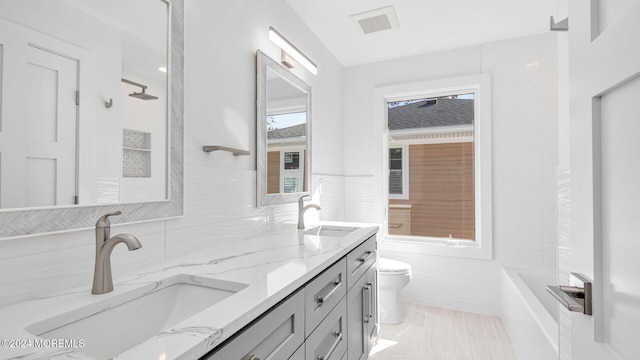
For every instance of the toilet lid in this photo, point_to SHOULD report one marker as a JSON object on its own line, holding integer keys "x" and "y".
{"x": 393, "y": 266}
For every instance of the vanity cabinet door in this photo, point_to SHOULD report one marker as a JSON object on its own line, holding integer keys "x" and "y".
{"x": 276, "y": 335}
{"x": 329, "y": 340}
{"x": 323, "y": 293}
{"x": 299, "y": 354}
{"x": 362, "y": 305}
{"x": 357, "y": 304}
{"x": 359, "y": 260}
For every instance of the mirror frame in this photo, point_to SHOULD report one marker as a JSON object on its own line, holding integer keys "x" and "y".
{"x": 20, "y": 222}
{"x": 265, "y": 63}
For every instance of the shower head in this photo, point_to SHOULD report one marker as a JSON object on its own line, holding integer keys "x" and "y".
{"x": 143, "y": 95}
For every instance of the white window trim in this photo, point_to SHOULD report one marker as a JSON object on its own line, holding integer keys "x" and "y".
{"x": 405, "y": 173}
{"x": 482, "y": 247}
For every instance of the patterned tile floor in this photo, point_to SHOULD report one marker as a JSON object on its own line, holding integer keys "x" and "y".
{"x": 431, "y": 333}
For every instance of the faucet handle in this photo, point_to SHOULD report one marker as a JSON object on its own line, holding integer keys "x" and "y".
{"x": 301, "y": 200}
{"x": 104, "y": 222}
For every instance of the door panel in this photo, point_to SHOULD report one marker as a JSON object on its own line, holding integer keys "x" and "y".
{"x": 13, "y": 145}
{"x": 41, "y": 181}
{"x": 604, "y": 63}
{"x": 38, "y": 122}
{"x": 620, "y": 171}
{"x": 51, "y": 118}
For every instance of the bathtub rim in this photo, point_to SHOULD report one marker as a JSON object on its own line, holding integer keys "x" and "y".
{"x": 536, "y": 309}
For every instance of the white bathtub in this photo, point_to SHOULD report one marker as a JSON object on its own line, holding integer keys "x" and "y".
{"x": 530, "y": 313}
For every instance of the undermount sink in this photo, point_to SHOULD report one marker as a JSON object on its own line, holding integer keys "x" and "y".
{"x": 330, "y": 230}
{"x": 119, "y": 323}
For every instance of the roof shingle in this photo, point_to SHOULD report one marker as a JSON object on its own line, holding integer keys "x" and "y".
{"x": 431, "y": 113}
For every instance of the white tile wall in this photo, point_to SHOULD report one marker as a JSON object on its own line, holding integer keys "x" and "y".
{"x": 329, "y": 192}
{"x": 33, "y": 267}
{"x": 219, "y": 209}
{"x": 431, "y": 281}
{"x": 361, "y": 198}
{"x": 476, "y": 285}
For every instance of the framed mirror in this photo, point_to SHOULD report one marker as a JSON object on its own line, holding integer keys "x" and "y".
{"x": 99, "y": 123}
{"x": 283, "y": 134}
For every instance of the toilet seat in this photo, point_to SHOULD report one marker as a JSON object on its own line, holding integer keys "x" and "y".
{"x": 388, "y": 267}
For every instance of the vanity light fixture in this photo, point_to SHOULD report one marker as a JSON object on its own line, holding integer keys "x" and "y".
{"x": 162, "y": 69}
{"x": 290, "y": 49}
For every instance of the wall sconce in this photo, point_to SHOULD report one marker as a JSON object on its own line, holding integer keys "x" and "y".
{"x": 289, "y": 49}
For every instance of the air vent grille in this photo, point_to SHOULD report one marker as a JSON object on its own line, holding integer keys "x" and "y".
{"x": 376, "y": 23}
{"x": 376, "y": 20}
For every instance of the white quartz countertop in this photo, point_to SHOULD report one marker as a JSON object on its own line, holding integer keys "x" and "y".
{"x": 273, "y": 266}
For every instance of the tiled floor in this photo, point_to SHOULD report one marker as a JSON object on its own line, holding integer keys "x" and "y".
{"x": 430, "y": 333}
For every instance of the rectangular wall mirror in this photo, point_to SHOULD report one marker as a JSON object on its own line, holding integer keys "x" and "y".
{"x": 283, "y": 134}
{"x": 90, "y": 112}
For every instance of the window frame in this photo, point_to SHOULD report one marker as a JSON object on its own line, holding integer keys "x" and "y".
{"x": 482, "y": 246}
{"x": 405, "y": 173}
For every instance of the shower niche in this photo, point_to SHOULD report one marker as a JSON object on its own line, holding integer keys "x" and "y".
{"x": 136, "y": 154}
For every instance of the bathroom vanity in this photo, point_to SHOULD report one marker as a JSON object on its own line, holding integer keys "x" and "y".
{"x": 331, "y": 315}
{"x": 286, "y": 294}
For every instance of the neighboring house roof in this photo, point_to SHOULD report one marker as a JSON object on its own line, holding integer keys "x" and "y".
{"x": 431, "y": 113}
{"x": 288, "y": 132}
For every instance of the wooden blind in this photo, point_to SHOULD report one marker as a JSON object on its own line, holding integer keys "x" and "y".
{"x": 273, "y": 172}
{"x": 441, "y": 190}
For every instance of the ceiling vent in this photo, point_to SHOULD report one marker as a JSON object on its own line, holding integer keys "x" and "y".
{"x": 376, "y": 20}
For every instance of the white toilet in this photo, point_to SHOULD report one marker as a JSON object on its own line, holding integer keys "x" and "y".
{"x": 393, "y": 276}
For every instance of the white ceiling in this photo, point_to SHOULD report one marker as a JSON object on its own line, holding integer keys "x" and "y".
{"x": 425, "y": 25}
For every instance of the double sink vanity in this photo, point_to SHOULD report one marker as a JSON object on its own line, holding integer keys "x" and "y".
{"x": 287, "y": 294}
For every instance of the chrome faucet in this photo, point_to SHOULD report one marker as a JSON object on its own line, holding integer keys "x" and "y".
{"x": 302, "y": 209}
{"x": 102, "y": 280}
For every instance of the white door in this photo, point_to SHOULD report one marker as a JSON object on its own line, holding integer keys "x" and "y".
{"x": 604, "y": 62}
{"x": 38, "y": 123}
{"x": 51, "y": 128}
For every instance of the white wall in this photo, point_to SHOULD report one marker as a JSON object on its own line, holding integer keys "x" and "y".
{"x": 221, "y": 40}
{"x": 524, "y": 155}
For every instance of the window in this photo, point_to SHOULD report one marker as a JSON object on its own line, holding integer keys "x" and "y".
{"x": 438, "y": 135}
{"x": 439, "y": 167}
{"x": 398, "y": 173}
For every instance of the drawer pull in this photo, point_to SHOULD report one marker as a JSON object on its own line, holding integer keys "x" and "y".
{"x": 253, "y": 357}
{"x": 323, "y": 299}
{"x": 365, "y": 313}
{"x": 370, "y": 311}
{"x": 366, "y": 257}
{"x": 366, "y": 317}
{"x": 332, "y": 348}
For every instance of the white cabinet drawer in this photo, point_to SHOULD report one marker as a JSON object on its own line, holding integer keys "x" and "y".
{"x": 329, "y": 340}
{"x": 277, "y": 335}
{"x": 359, "y": 260}
{"x": 323, "y": 293}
